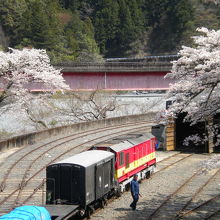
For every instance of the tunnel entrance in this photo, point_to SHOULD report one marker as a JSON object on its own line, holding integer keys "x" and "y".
{"x": 184, "y": 129}
{"x": 216, "y": 121}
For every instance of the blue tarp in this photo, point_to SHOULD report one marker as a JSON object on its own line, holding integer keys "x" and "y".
{"x": 27, "y": 213}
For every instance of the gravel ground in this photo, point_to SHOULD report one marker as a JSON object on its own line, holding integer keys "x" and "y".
{"x": 16, "y": 176}
{"x": 153, "y": 191}
{"x": 5, "y": 154}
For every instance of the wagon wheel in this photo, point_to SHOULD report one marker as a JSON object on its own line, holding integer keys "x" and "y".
{"x": 102, "y": 203}
{"x": 105, "y": 201}
{"x": 118, "y": 193}
{"x": 88, "y": 213}
{"x": 148, "y": 175}
{"x": 127, "y": 187}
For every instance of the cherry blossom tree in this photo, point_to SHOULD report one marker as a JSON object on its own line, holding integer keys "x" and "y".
{"x": 20, "y": 70}
{"x": 196, "y": 73}
{"x": 88, "y": 106}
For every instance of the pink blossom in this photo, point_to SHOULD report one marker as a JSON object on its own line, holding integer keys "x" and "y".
{"x": 20, "y": 69}
{"x": 196, "y": 90}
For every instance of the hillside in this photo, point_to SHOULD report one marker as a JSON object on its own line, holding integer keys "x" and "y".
{"x": 87, "y": 30}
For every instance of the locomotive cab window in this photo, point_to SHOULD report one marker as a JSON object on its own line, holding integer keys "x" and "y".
{"x": 121, "y": 158}
{"x": 127, "y": 160}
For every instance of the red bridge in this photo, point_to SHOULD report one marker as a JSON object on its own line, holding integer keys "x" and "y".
{"x": 117, "y": 75}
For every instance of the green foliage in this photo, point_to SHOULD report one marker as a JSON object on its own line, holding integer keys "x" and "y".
{"x": 207, "y": 14}
{"x": 11, "y": 17}
{"x": 106, "y": 21}
{"x": 171, "y": 23}
{"x": 117, "y": 23}
{"x": 80, "y": 37}
{"x": 70, "y": 4}
{"x": 81, "y": 30}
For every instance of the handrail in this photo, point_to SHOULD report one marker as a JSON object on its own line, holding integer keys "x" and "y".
{"x": 107, "y": 64}
{"x": 116, "y": 66}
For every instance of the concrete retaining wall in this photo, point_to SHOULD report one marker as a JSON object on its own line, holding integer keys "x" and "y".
{"x": 34, "y": 137}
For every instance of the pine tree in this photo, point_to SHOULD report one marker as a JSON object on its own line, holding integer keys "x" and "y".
{"x": 170, "y": 20}
{"x": 45, "y": 29}
{"x": 80, "y": 37}
{"x": 11, "y": 18}
{"x": 70, "y": 4}
{"x": 106, "y": 21}
{"x": 126, "y": 32}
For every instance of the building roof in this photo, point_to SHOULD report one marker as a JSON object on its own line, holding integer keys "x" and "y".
{"x": 87, "y": 158}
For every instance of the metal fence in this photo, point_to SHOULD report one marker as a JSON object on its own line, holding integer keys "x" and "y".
{"x": 117, "y": 67}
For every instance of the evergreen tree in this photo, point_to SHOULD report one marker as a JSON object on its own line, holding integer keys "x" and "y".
{"x": 70, "y": 4}
{"x": 11, "y": 18}
{"x": 80, "y": 38}
{"x": 136, "y": 15}
{"x": 44, "y": 24}
{"x": 70, "y": 28}
{"x": 117, "y": 25}
{"x": 106, "y": 21}
{"x": 126, "y": 27}
{"x": 171, "y": 20}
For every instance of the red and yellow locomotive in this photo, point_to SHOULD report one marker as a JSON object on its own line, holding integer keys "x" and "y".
{"x": 132, "y": 156}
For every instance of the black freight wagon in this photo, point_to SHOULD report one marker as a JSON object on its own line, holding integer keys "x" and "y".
{"x": 81, "y": 179}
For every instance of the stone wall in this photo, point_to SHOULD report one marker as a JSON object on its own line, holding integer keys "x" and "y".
{"x": 34, "y": 137}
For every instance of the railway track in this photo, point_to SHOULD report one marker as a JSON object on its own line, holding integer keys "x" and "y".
{"x": 170, "y": 161}
{"x": 170, "y": 189}
{"x": 205, "y": 210}
{"x": 22, "y": 181}
{"x": 187, "y": 192}
{"x": 163, "y": 165}
{"x": 25, "y": 152}
{"x": 214, "y": 215}
{"x": 183, "y": 211}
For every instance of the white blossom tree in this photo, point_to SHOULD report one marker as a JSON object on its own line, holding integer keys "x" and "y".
{"x": 21, "y": 69}
{"x": 196, "y": 90}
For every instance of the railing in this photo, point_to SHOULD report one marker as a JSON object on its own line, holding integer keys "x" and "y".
{"x": 152, "y": 58}
{"x": 116, "y": 66}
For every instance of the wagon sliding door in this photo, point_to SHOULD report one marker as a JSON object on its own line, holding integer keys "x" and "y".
{"x": 99, "y": 181}
{"x": 65, "y": 182}
{"x": 103, "y": 178}
{"x": 107, "y": 169}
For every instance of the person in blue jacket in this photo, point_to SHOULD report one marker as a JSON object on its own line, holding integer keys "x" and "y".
{"x": 134, "y": 191}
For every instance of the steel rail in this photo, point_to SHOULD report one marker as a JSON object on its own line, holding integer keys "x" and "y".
{"x": 172, "y": 194}
{"x": 23, "y": 182}
{"x": 114, "y": 198}
{"x": 199, "y": 206}
{"x": 69, "y": 150}
{"x": 3, "y": 183}
{"x": 181, "y": 212}
{"x": 38, "y": 187}
{"x": 212, "y": 215}
{"x": 173, "y": 162}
